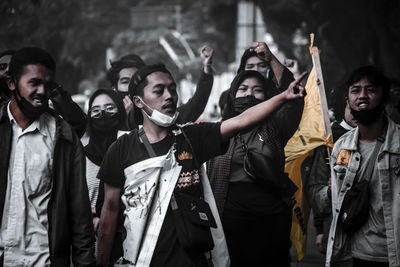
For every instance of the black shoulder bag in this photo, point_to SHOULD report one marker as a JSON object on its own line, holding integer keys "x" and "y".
{"x": 355, "y": 206}
{"x": 193, "y": 216}
{"x": 258, "y": 167}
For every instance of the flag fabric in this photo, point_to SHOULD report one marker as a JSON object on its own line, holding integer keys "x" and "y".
{"x": 309, "y": 135}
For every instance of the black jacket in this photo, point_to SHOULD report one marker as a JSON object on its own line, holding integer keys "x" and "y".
{"x": 69, "y": 214}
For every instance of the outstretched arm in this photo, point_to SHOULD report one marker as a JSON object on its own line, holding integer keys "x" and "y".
{"x": 191, "y": 110}
{"x": 108, "y": 222}
{"x": 261, "y": 111}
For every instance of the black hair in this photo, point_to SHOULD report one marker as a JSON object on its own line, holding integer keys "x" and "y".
{"x": 127, "y": 61}
{"x": 30, "y": 55}
{"x": 374, "y": 75}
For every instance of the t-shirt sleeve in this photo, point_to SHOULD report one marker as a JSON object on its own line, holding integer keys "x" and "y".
{"x": 206, "y": 140}
{"x": 111, "y": 170}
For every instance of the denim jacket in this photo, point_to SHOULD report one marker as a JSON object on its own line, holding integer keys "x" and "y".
{"x": 343, "y": 173}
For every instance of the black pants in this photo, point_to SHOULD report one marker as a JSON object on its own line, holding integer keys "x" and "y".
{"x": 363, "y": 263}
{"x": 255, "y": 237}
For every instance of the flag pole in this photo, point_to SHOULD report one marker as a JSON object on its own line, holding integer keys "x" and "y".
{"x": 314, "y": 51}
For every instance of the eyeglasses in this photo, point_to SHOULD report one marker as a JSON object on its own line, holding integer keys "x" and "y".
{"x": 109, "y": 110}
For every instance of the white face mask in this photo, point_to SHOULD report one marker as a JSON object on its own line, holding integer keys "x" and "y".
{"x": 159, "y": 118}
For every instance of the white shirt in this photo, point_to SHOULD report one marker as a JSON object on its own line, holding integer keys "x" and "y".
{"x": 24, "y": 227}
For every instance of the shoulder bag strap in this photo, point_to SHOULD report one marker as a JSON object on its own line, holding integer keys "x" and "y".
{"x": 374, "y": 155}
{"x": 147, "y": 145}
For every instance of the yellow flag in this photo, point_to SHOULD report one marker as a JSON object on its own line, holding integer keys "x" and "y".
{"x": 309, "y": 135}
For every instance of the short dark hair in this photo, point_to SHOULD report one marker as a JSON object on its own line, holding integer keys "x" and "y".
{"x": 30, "y": 55}
{"x": 374, "y": 76}
{"x": 127, "y": 61}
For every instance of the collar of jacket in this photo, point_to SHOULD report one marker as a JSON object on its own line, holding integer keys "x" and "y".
{"x": 391, "y": 144}
{"x": 63, "y": 131}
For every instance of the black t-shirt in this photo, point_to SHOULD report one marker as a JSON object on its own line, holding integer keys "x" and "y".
{"x": 205, "y": 139}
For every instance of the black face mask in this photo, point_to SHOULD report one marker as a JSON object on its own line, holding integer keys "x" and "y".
{"x": 105, "y": 123}
{"x": 29, "y": 110}
{"x": 367, "y": 117}
{"x": 240, "y": 104}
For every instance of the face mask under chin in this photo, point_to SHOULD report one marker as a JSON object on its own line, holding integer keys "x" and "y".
{"x": 159, "y": 118}
{"x": 29, "y": 110}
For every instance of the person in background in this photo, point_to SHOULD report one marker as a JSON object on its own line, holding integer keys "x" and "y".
{"x": 256, "y": 211}
{"x": 259, "y": 57}
{"x": 106, "y": 114}
{"x": 119, "y": 76}
{"x": 5, "y": 58}
{"x": 44, "y": 206}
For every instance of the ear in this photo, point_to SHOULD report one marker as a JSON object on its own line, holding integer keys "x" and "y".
{"x": 11, "y": 84}
{"x": 137, "y": 102}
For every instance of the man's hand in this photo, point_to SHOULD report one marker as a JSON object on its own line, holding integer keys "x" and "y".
{"x": 296, "y": 89}
{"x": 262, "y": 51}
{"x": 128, "y": 104}
{"x": 206, "y": 56}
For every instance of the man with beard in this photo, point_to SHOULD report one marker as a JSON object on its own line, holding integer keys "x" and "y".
{"x": 60, "y": 98}
{"x": 44, "y": 206}
{"x": 377, "y": 241}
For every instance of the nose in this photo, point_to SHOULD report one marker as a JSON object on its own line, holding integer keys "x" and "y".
{"x": 363, "y": 93}
{"x": 249, "y": 92}
{"x": 41, "y": 89}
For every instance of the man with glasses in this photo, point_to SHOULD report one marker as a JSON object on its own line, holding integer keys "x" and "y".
{"x": 44, "y": 206}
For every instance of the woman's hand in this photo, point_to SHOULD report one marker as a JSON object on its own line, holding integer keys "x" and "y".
{"x": 295, "y": 89}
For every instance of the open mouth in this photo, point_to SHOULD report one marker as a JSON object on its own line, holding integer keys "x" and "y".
{"x": 39, "y": 100}
{"x": 169, "y": 107}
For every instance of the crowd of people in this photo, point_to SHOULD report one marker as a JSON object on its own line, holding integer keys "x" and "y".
{"x": 154, "y": 188}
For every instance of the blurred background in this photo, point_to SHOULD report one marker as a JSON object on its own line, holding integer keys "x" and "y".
{"x": 84, "y": 36}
